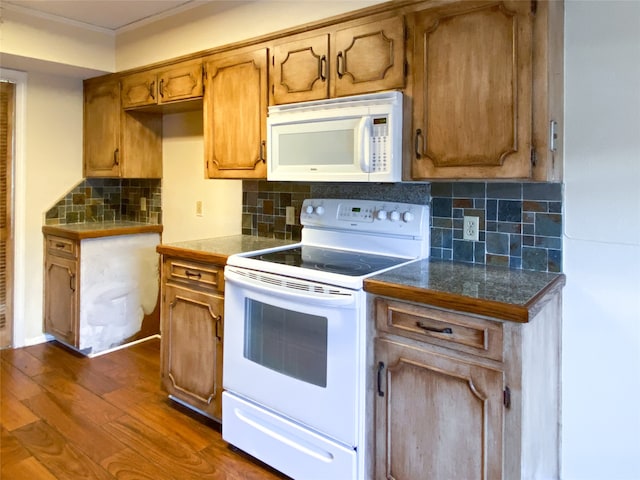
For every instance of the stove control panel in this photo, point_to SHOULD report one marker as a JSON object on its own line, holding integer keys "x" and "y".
{"x": 365, "y": 215}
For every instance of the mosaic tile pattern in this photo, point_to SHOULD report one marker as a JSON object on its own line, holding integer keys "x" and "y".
{"x": 108, "y": 200}
{"x": 520, "y": 224}
{"x": 264, "y": 203}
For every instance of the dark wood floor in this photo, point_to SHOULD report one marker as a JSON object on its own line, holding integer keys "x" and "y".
{"x": 65, "y": 416}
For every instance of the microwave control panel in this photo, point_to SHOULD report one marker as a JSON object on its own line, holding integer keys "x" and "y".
{"x": 379, "y": 147}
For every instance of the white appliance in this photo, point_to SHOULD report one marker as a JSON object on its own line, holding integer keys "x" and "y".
{"x": 295, "y": 344}
{"x": 347, "y": 139}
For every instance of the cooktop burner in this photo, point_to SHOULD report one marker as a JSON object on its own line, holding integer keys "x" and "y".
{"x": 330, "y": 260}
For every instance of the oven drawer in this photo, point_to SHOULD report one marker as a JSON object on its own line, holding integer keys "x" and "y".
{"x": 209, "y": 277}
{"x": 287, "y": 446}
{"x": 62, "y": 246}
{"x": 440, "y": 327}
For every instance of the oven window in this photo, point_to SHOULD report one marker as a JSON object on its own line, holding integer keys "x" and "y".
{"x": 289, "y": 342}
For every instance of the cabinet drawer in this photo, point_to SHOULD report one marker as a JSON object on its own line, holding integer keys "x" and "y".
{"x": 200, "y": 275}
{"x": 62, "y": 246}
{"x": 440, "y": 327}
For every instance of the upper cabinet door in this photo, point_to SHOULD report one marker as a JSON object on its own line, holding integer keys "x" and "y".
{"x": 235, "y": 113}
{"x": 139, "y": 89}
{"x": 369, "y": 57}
{"x": 102, "y": 129}
{"x": 182, "y": 81}
{"x": 300, "y": 70}
{"x": 472, "y": 91}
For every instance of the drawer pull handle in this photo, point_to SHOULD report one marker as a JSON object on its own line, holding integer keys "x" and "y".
{"x": 433, "y": 329}
{"x": 59, "y": 245}
{"x": 380, "y": 369}
{"x": 192, "y": 275}
{"x": 218, "y": 325}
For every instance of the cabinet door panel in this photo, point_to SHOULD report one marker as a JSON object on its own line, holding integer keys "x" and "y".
{"x": 370, "y": 57}
{"x": 139, "y": 89}
{"x": 181, "y": 82}
{"x": 235, "y": 112}
{"x": 473, "y": 86}
{"x": 61, "y": 299}
{"x": 102, "y": 130}
{"x": 192, "y": 348}
{"x": 300, "y": 70}
{"x": 439, "y": 417}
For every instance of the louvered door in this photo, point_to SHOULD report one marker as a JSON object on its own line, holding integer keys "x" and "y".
{"x": 7, "y": 102}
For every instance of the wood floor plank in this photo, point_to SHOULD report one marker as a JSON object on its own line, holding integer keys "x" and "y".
{"x": 21, "y": 359}
{"x": 82, "y": 400}
{"x": 167, "y": 420}
{"x": 11, "y": 451}
{"x": 130, "y": 465}
{"x": 168, "y": 452}
{"x": 28, "y": 469}
{"x": 13, "y": 414}
{"x": 13, "y": 380}
{"x": 74, "y": 427}
{"x": 62, "y": 459}
{"x": 236, "y": 465}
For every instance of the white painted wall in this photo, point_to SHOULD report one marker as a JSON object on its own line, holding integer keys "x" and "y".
{"x": 601, "y": 347}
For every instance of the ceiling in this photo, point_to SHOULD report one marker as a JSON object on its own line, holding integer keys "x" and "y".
{"x": 104, "y": 14}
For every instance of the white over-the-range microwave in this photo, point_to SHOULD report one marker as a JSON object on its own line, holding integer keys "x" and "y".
{"x": 346, "y": 139}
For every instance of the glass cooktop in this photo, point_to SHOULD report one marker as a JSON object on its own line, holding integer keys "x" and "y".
{"x": 330, "y": 260}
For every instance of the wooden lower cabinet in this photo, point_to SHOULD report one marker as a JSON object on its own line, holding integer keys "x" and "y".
{"x": 464, "y": 396}
{"x": 61, "y": 298}
{"x": 101, "y": 293}
{"x": 192, "y": 326}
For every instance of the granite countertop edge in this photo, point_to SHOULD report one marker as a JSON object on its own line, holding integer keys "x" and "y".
{"x": 218, "y": 249}
{"x": 81, "y": 231}
{"x": 498, "y": 292}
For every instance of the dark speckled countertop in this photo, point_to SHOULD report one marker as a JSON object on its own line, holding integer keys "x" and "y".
{"x": 498, "y": 292}
{"x": 217, "y": 249}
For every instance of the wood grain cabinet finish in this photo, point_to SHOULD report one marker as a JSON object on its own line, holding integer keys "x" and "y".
{"x": 357, "y": 59}
{"x": 117, "y": 143}
{"x": 235, "y": 113}
{"x": 472, "y": 90}
{"x": 465, "y": 396}
{"x": 192, "y": 334}
{"x": 179, "y": 82}
{"x": 61, "y": 293}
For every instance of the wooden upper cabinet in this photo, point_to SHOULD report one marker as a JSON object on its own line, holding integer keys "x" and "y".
{"x": 356, "y": 59}
{"x": 102, "y": 129}
{"x": 370, "y": 57}
{"x": 182, "y": 81}
{"x": 300, "y": 69}
{"x": 472, "y": 91}
{"x": 118, "y": 143}
{"x": 235, "y": 112}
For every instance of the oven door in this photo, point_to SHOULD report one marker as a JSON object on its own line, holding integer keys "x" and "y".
{"x": 294, "y": 347}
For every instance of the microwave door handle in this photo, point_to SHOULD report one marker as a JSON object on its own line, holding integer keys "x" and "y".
{"x": 364, "y": 134}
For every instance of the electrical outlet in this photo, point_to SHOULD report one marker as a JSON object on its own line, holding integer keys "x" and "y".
{"x": 143, "y": 204}
{"x": 199, "y": 208}
{"x": 290, "y": 215}
{"x": 470, "y": 228}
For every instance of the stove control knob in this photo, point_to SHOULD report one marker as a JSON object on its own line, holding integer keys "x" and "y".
{"x": 408, "y": 217}
{"x": 395, "y": 216}
{"x": 381, "y": 214}
{"x": 319, "y": 210}
{"x": 309, "y": 209}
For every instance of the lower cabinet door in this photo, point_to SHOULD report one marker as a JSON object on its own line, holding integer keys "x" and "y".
{"x": 437, "y": 417}
{"x": 61, "y": 299}
{"x": 192, "y": 348}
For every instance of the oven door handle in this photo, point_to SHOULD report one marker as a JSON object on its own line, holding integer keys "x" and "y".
{"x": 291, "y": 288}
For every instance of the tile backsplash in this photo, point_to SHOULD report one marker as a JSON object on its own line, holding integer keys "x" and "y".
{"x": 108, "y": 200}
{"x": 520, "y": 224}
